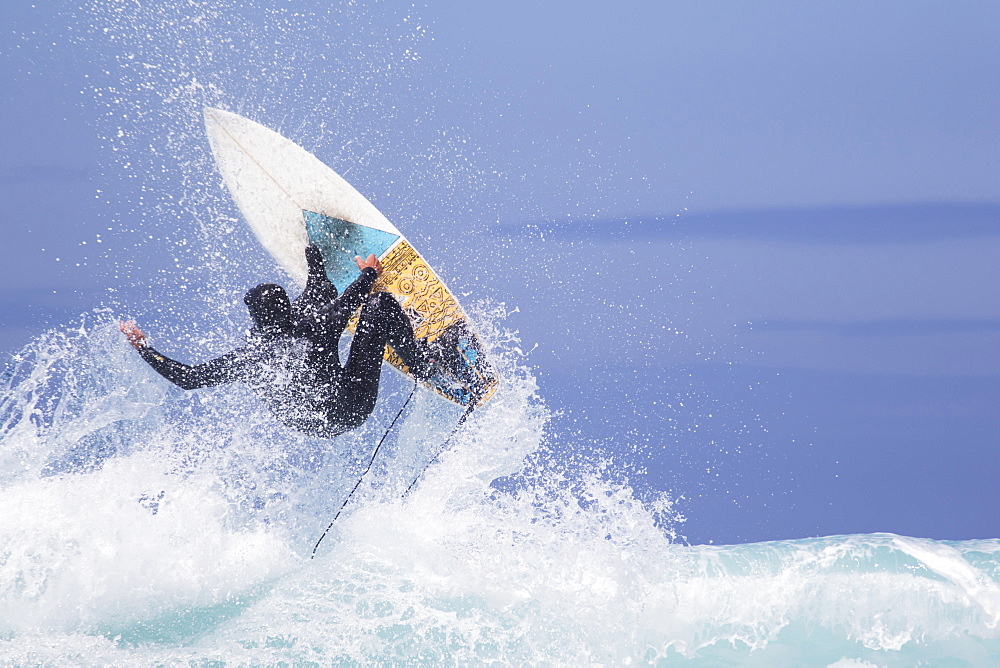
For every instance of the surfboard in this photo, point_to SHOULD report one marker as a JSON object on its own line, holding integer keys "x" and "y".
{"x": 289, "y": 198}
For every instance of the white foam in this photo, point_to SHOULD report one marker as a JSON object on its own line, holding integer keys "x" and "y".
{"x": 125, "y": 543}
{"x": 187, "y": 540}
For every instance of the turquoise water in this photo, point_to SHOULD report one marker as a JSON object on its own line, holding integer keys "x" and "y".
{"x": 143, "y": 524}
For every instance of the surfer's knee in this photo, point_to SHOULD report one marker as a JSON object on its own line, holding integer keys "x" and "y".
{"x": 380, "y": 302}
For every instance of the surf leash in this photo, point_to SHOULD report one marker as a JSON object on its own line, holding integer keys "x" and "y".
{"x": 444, "y": 446}
{"x": 370, "y": 463}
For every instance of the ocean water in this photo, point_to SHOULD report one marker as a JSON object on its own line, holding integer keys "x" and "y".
{"x": 143, "y": 524}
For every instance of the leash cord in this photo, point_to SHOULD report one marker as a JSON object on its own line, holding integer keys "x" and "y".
{"x": 362, "y": 477}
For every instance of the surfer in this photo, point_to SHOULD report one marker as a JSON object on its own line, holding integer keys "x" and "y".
{"x": 291, "y": 359}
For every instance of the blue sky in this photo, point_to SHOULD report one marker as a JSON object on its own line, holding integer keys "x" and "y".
{"x": 782, "y": 215}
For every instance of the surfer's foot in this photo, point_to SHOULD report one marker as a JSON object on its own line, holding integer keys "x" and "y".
{"x": 314, "y": 259}
{"x": 426, "y": 366}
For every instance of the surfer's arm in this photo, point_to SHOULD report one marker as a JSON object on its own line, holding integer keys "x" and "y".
{"x": 336, "y": 315}
{"x": 221, "y": 370}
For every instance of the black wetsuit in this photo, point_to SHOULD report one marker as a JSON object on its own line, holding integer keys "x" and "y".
{"x": 291, "y": 359}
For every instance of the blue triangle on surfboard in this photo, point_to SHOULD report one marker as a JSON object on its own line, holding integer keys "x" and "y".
{"x": 340, "y": 240}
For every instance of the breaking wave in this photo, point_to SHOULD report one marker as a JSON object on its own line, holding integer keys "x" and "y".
{"x": 146, "y": 524}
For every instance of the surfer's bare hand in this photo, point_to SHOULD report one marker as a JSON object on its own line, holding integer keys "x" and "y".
{"x": 132, "y": 332}
{"x": 370, "y": 261}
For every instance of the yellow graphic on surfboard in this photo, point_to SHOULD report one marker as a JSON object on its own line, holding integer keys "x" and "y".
{"x": 408, "y": 276}
{"x": 289, "y": 198}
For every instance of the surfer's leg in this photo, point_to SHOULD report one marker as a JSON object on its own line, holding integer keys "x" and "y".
{"x": 382, "y": 322}
{"x": 319, "y": 291}
{"x": 364, "y": 362}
